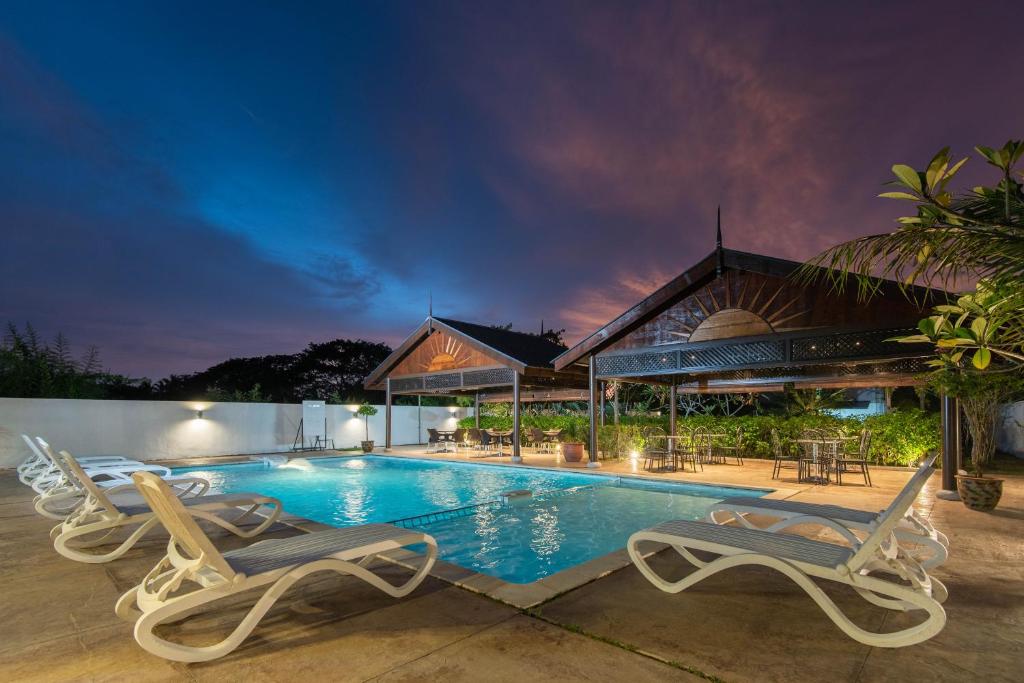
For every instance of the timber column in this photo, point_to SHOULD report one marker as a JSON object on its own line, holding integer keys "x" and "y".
{"x": 516, "y": 455}
{"x": 950, "y": 412}
{"x": 593, "y": 413}
{"x": 387, "y": 416}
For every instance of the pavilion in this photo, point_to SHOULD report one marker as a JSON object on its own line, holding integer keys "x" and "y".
{"x": 452, "y": 357}
{"x": 738, "y": 322}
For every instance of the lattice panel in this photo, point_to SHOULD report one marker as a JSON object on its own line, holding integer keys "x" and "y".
{"x": 407, "y": 384}
{"x": 848, "y": 345}
{"x": 451, "y": 380}
{"x": 750, "y": 353}
{"x": 491, "y": 377}
{"x": 637, "y": 363}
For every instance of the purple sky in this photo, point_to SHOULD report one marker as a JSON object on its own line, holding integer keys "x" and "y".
{"x": 186, "y": 183}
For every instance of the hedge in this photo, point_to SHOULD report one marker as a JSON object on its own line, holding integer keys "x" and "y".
{"x": 898, "y": 438}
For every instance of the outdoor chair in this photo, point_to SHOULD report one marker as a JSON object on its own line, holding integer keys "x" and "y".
{"x": 61, "y": 501}
{"x": 688, "y": 448}
{"x": 874, "y": 567}
{"x": 859, "y": 461}
{"x": 473, "y": 437}
{"x": 537, "y": 439}
{"x": 781, "y": 456}
{"x": 915, "y": 534}
{"x": 102, "y": 515}
{"x": 194, "y": 573}
{"x": 459, "y": 437}
{"x": 433, "y": 438}
{"x": 102, "y": 469}
{"x": 655, "y": 448}
{"x": 39, "y": 465}
{"x": 735, "y": 450}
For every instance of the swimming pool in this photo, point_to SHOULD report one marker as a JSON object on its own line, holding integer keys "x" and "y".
{"x": 569, "y": 519}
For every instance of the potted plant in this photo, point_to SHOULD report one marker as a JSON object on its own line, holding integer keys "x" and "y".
{"x": 367, "y": 411}
{"x": 572, "y": 447}
{"x": 980, "y": 394}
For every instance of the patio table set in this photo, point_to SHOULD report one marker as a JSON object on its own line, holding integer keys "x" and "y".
{"x": 670, "y": 452}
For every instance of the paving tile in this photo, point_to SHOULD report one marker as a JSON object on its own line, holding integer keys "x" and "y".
{"x": 523, "y": 648}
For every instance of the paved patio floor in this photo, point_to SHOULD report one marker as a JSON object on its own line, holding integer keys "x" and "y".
{"x": 742, "y": 625}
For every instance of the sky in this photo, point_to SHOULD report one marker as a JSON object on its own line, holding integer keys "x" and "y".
{"x": 181, "y": 183}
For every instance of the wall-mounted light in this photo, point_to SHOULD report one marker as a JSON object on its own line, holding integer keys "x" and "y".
{"x": 199, "y": 415}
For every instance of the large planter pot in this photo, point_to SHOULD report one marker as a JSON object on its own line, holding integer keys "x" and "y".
{"x": 367, "y": 446}
{"x": 572, "y": 452}
{"x": 979, "y": 493}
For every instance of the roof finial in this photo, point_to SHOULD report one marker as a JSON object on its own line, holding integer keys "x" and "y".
{"x": 718, "y": 245}
{"x": 430, "y": 310}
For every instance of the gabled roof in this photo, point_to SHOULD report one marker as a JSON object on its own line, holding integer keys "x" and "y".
{"x": 529, "y": 349}
{"x": 685, "y": 284}
{"x": 517, "y": 350}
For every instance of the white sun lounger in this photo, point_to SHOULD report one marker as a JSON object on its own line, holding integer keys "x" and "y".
{"x": 101, "y": 516}
{"x": 37, "y": 464}
{"x": 112, "y": 470}
{"x": 58, "y": 502}
{"x": 193, "y": 562}
{"x": 915, "y": 534}
{"x": 802, "y": 560}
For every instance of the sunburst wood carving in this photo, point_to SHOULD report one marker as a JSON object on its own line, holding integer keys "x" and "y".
{"x": 439, "y": 352}
{"x": 445, "y": 353}
{"x": 735, "y": 305}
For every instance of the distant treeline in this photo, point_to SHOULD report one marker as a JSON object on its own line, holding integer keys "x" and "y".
{"x": 333, "y": 371}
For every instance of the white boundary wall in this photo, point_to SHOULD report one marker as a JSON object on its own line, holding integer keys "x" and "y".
{"x": 1010, "y": 429}
{"x": 155, "y": 430}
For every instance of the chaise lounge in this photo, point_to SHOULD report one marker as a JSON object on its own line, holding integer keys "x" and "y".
{"x": 194, "y": 573}
{"x": 803, "y": 560}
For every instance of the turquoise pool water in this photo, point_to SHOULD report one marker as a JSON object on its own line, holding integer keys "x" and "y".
{"x": 570, "y": 519}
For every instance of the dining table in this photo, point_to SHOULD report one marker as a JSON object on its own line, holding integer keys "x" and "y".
{"x": 447, "y": 438}
{"x": 551, "y": 437}
{"x": 500, "y": 435}
{"x": 822, "y": 465}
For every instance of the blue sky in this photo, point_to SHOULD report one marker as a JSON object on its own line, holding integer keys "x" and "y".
{"x": 187, "y": 182}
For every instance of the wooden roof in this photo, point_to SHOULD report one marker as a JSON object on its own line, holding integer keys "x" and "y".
{"x": 741, "y": 294}
{"x": 442, "y": 345}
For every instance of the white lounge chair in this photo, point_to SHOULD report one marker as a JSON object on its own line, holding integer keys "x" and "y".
{"x": 101, "y": 516}
{"x": 802, "y": 559}
{"x": 108, "y": 470}
{"x": 915, "y": 534}
{"x": 58, "y": 502}
{"x": 192, "y": 561}
{"x": 37, "y": 464}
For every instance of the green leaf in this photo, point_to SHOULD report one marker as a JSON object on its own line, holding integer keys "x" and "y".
{"x": 927, "y": 327}
{"x": 907, "y": 176}
{"x": 911, "y": 339}
{"x": 945, "y": 308}
{"x": 982, "y": 357}
{"x": 955, "y": 357}
{"x": 898, "y": 195}
{"x": 978, "y": 326}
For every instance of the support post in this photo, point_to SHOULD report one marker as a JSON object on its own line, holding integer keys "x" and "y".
{"x": 387, "y": 416}
{"x": 672, "y": 416}
{"x": 476, "y": 409}
{"x": 593, "y": 413}
{"x": 516, "y": 455}
{"x": 602, "y": 404}
{"x": 615, "y": 402}
{"x": 950, "y": 413}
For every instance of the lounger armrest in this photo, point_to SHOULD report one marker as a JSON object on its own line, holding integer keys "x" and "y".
{"x": 817, "y": 521}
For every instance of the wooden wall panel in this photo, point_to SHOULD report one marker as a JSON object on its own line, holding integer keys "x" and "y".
{"x": 740, "y": 304}
{"x": 442, "y": 351}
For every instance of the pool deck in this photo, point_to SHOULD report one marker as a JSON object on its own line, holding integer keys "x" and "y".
{"x": 746, "y": 624}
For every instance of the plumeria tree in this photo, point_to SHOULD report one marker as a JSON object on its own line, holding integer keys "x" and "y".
{"x": 975, "y": 234}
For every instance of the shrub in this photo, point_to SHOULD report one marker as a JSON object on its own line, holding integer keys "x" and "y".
{"x": 898, "y": 438}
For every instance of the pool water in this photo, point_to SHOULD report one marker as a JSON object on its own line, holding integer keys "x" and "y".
{"x": 571, "y": 518}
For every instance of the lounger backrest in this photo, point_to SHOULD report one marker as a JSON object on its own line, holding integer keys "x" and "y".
{"x": 36, "y": 453}
{"x": 185, "y": 532}
{"x": 893, "y": 514}
{"x": 75, "y": 473}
